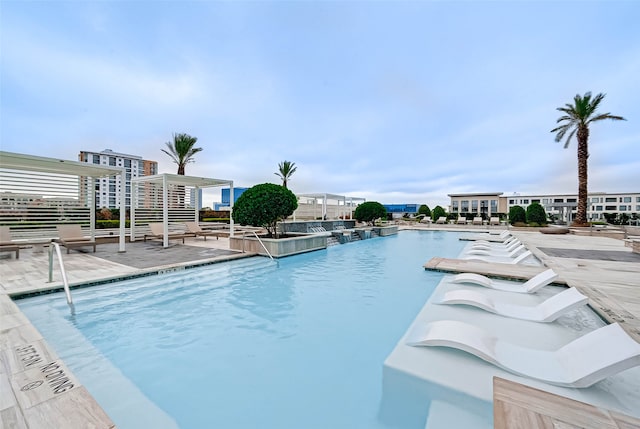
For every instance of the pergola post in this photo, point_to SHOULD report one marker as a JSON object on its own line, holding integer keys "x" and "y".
{"x": 165, "y": 212}
{"x": 231, "y": 198}
{"x": 123, "y": 211}
{"x": 91, "y": 201}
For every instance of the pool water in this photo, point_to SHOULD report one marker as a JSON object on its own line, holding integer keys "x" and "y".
{"x": 251, "y": 343}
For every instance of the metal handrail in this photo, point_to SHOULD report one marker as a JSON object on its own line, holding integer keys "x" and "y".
{"x": 259, "y": 241}
{"x": 65, "y": 281}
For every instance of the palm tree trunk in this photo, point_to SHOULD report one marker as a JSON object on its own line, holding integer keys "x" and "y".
{"x": 583, "y": 155}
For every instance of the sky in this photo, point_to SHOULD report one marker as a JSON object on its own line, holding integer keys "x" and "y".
{"x": 392, "y": 101}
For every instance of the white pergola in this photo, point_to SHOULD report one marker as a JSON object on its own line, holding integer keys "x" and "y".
{"x": 39, "y": 164}
{"x": 325, "y": 197}
{"x": 164, "y": 181}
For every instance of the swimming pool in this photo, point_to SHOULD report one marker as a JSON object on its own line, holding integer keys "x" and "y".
{"x": 249, "y": 343}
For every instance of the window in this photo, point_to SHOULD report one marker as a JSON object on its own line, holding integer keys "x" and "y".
{"x": 610, "y": 200}
{"x": 525, "y": 201}
{"x": 545, "y": 201}
{"x": 474, "y": 205}
{"x": 127, "y": 163}
{"x": 638, "y": 208}
{"x": 494, "y": 206}
{"x": 454, "y": 206}
{"x": 464, "y": 206}
{"x": 623, "y": 208}
{"x": 96, "y": 159}
{"x": 558, "y": 200}
{"x": 598, "y": 208}
{"x": 637, "y": 199}
{"x": 535, "y": 201}
{"x": 512, "y": 202}
{"x": 571, "y": 200}
{"x": 112, "y": 160}
{"x": 626, "y": 200}
{"x": 610, "y": 208}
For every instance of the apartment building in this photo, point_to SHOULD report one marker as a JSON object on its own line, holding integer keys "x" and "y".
{"x": 561, "y": 206}
{"x": 108, "y": 189}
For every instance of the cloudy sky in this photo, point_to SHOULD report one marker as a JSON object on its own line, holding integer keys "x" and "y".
{"x": 399, "y": 102}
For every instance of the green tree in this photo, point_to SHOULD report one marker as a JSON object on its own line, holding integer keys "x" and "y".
{"x": 537, "y": 214}
{"x": 437, "y": 213}
{"x": 285, "y": 171}
{"x": 181, "y": 150}
{"x": 576, "y": 120}
{"x": 517, "y": 214}
{"x": 264, "y": 205}
{"x": 369, "y": 211}
{"x": 424, "y": 210}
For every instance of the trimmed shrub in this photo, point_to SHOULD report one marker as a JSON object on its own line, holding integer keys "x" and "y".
{"x": 370, "y": 211}
{"x": 264, "y": 205}
{"x": 517, "y": 214}
{"x": 424, "y": 210}
{"x": 536, "y": 214}
{"x": 437, "y": 213}
{"x": 113, "y": 223}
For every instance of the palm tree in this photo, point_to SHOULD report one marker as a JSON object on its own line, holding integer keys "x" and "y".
{"x": 285, "y": 171}
{"x": 576, "y": 119}
{"x": 181, "y": 150}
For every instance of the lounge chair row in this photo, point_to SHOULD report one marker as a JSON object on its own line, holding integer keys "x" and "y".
{"x": 464, "y": 221}
{"x": 580, "y": 363}
{"x": 71, "y": 236}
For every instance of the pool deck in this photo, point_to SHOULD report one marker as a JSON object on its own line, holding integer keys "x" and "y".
{"x": 38, "y": 391}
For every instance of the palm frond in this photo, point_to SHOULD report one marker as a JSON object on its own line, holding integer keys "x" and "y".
{"x": 566, "y": 143}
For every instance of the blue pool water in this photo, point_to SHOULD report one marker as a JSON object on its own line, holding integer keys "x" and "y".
{"x": 250, "y": 343}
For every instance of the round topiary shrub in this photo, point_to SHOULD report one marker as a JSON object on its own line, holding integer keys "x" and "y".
{"x": 517, "y": 214}
{"x": 370, "y": 211}
{"x": 536, "y": 214}
{"x": 424, "y": 210}
{"x": 264, "y": 205}
{"x": 437, "y": 213}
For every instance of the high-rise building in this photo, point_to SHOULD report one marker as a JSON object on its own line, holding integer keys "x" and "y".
{"x": 108, "y": 189}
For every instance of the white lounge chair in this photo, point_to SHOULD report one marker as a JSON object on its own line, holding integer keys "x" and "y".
{"x": 494, "y": 221}
{"x": 511, "y": 253}
{"x": 531, "y": 286}
{"x": 6, "y": 242}
{"x": 513, "y": 241}
{"x": 72, "y": 237}
{"x": 547, "y": 311}
{"x": 496, "y": 247}
{"x": 195, "y": 229}
{"x": 581, "y": 363}
{"x": 516, "y": 260}
{"x": 442, "y": 219}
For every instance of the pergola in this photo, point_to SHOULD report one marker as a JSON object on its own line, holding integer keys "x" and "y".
{"x": 325, "y": 197}
{"x": 42, "y": 178}
{"x": 164, "y": 182}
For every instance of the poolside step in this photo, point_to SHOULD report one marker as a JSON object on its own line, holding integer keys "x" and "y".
{"x": 332, "y": 241}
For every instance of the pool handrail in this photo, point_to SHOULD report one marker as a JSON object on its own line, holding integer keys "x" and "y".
{"x": 53, "y": 245}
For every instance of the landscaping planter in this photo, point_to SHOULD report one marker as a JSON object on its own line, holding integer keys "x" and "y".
{"x": 280, "y": 247}
{"x": 383, "y": 231}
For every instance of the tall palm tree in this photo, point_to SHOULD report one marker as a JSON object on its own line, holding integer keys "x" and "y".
{"x": 181, "y": 150}
{"x": 285, "y": 171}
{"x": 576, "y": 119}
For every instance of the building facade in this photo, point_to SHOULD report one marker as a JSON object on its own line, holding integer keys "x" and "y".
{"x": 560, "y": 206}
{"x": 108, "y": 189}
{"x": 487, "y": 204}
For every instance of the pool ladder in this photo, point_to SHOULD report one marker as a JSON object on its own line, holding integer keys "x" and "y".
{"x": 260, "y": 241}
{"x": 65, "y": 281}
